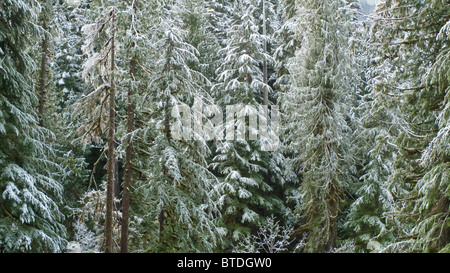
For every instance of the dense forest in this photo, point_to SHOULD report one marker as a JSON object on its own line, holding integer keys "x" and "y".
{"x": 101, "y": 102}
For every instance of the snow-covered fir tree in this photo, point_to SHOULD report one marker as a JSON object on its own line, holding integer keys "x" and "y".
{"x": 135, "y": 23}
{"x": 317, "y": 107}
{"x": 410, "y": 89}
{"x": 58, "y": 84}
{"x": 365, "y": 220}
{"x": 98, "y": 107}
{"x": 250, "y": 174}
{"x": 30, "y": 199}
{"x": 66, "y": 66}
{"x": 184, "y": 194}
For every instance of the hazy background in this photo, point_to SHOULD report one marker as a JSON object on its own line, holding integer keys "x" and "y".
{"x": 368, "y": 6}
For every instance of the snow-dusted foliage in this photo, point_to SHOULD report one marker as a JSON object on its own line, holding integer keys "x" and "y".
{"x": 250, "y": 175}
{"x": 103, "y": 102}
{"x": 89, "y": 224}
{"x": 69, "y": 57}
{"x": 368, "y": 217}
{"x": 271, "y": 237}
{"x": 317, "y": 107}
{"x": 90, "y": 219}
{"x": 184, "y": 194}
{"x": 288, "y": 43}
{"x": 403, "y": 200}
{"x": 30, "y": 197}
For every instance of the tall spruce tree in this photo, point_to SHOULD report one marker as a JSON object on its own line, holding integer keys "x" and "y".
{"x": 184, "y": 193}
{"x": 317, "y": 107}
{"x": 242, "y": 163}
{"x": 99, "y": 106}
{"x": 58, "y": 84}
{"x": 134, "y": 26}
{"x": 69, "y": 86}
{"x": 369, "y": 220}
{"x": 30, "y": 217}
{"x": 411, "y": 88}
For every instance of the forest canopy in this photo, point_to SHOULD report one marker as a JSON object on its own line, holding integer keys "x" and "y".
{"x": 220, "y": 126}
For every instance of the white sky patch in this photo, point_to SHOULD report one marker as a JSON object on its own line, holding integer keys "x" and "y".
{"x": 372, "y": 2}
{"x": 73, "y": 2}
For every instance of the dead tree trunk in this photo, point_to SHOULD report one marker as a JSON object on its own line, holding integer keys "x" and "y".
{"x": 111, "y": 150}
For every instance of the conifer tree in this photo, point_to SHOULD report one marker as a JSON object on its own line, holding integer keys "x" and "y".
{"x": 59, "y": 84}
{"x": 287, "y": 44}
{"x": 63, "y": 84}
{"x": 184, "y": 193}
{"x": 30, "y": 199}
{"x": 242, "y": 163}
{"x": 411, "y": 89}
{"x": 99, "y": 106}
{"x": 367, "y": 218}
{"x": 134, "y": 27}
{"x": 69, "y": 56}
{"x": 317, "y": 106}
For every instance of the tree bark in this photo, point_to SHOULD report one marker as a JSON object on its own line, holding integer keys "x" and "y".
{"x": 111, "y": 150}
{"x": 162, "y": 214}
{"x": 265, "y": 73}
{"x": 128, "y": 165}
{"x": 333, "y": 211}
{"x": 42, "y": 77}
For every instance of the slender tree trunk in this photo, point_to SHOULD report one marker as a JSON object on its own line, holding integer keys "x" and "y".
{"x": 111, "y": 150}
{"x": 42, "y": 77}
{"x": 265, "y": 76}
{"x": 162, "y": 214}
{"x": 333, "y": 211}
{"x": 162, "y": 220}
{"x": 116, "y": 187}
{"x": 128, "y": 165}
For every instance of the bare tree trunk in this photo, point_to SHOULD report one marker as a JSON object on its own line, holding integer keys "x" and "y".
{"x": 162, "y": 221}
{"x": 116, "y": 187}
{"x": 42, "y": 77}
{"x": 162, "y": 214}
{"x": 333, "y": 211}
{"x": 128, "y": 165}
{"x": 265, "y": 76}
{"x": 111, "y": 150}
